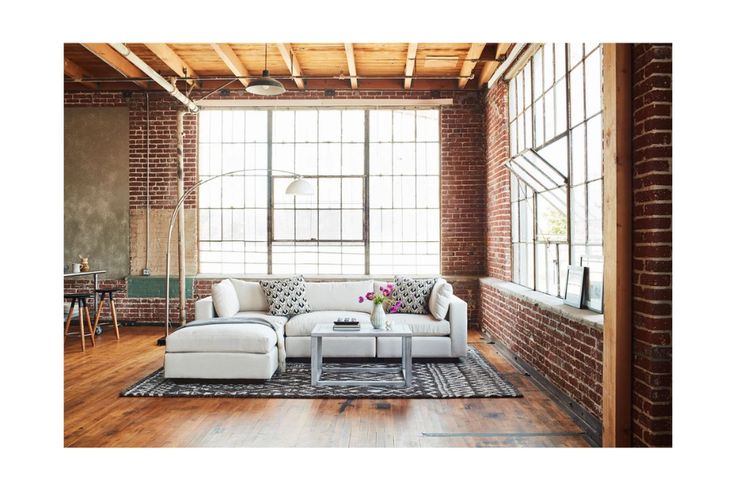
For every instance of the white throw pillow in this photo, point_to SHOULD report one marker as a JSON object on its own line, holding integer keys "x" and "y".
{"x": 439, "y": 300}
{"x": 225, "y": 299}
{"x": 250, "y": 295}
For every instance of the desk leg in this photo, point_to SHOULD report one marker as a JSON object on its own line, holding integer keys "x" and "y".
{"x": 98, "y": 330}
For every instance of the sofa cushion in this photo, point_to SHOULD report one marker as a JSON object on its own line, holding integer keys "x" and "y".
{"x": 250, "y": 295}
{"x": 439, "y": 300}
{"x": 251, "y": 338}
{"x": 421, "y": 325}
{"x": 225, "y": 299}
{"x": 286, "y": 297}
{"x": 339, "y": 295}
{"x": 413, "y": 294}
{"x": 302, "y": 325}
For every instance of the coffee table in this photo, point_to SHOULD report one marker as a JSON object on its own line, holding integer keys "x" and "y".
{"x": 323, "y": 330}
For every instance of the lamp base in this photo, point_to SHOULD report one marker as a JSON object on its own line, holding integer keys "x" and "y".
{"x": 161, "y": 341}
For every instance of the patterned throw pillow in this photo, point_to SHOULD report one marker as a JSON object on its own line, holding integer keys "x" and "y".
{"x": 286, "y": 297}
{"x": 413, "y": 294}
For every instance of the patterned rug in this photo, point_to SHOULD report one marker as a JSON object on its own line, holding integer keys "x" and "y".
{"x": 473, "y": 377}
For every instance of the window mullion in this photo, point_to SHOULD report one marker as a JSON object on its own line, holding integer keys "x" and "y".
{"x": 269, "y": 192}
{"x": 366, "y": 193}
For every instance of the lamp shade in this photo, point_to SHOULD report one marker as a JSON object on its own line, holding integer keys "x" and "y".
{"x": 300, "y": 187}
{"x": 265, "y": 85}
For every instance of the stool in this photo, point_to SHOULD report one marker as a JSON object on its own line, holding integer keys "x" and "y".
{"x": 80, "y": 299}
{"x": 107, "y": 292}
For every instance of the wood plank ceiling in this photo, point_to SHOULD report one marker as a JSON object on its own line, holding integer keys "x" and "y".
{"x": 299, "y": 66}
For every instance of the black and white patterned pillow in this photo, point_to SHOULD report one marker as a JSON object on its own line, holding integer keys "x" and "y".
{"x": 413, "y": 294}
{"x": 286, "y": 297}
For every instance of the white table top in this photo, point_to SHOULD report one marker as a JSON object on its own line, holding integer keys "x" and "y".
{"x": 366, "y": 330}
{"x": 75, "y": 274}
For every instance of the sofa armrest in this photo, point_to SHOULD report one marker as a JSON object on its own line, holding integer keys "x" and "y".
{"x": 204, "y": 309}
{"x": 458, "y": 317}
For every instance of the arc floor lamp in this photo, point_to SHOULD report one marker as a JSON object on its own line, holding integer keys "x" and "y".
{"x": 298, "y": 186}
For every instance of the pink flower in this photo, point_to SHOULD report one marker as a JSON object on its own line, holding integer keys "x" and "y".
{"x": 361, "y": 299}
{"x": 394, "y": 308}
{"x": 369, "y": 296}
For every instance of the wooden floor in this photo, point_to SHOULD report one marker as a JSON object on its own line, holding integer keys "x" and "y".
{"x": 96, "y": 416}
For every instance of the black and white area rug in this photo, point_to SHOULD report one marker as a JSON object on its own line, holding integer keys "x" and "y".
{"x": 473, "y": 377}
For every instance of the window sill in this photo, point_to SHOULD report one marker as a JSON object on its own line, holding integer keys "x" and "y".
{"x": 545, "y": 302}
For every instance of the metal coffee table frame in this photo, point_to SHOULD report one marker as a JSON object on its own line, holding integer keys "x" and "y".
{"x": 366, "y": 330}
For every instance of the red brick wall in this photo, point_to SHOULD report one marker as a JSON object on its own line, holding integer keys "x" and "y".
{"x": 652, "y": 268}
{"x": 498, "y": 194}
{"x": 568, "y": 353}
{"x": 462, "y": 179}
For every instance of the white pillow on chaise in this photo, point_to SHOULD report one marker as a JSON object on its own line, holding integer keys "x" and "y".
{"x": 225, "y": 299}
{"x": 250, "y": 295}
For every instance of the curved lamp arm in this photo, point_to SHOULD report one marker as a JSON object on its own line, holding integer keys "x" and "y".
{"x": 180, "y": 204}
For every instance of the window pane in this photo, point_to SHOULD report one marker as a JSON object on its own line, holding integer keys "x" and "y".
{"x": 576, "y": 53}
{"x": 283, "y": 224}
{"x": 428, "y": 127}
{"x": 549, "y": 66}
{"x": 352, "y": 225}
{"x": 329, "y": 158}
{"x": 306, "y": 224}
{"x": 283, "y": 126}
{"x": 381, "y": 125}
{"x": 283, "y": 156}
{"x": 551, "y": 216}
{"x": 329, "y": 225}
{"x": 595, "y": 148}
{"x": 560, "y": 107}
{"x": 306, "y": 156}
{"x": 595, "y": 222}
{"x": 404, "y": 125}
{"x": 579, "y": 215}
{"x": 578, "y": 155}
{"x": 539, "y": 123}
{"x": 352, "y": 193}
{"x": 353, "y": 125}
{"x": 560, "y": 61}
{"x": 593, "y": 92}
{"x": 577, "y": 96}
{"x": 306, "y": 126}
{"x": 256, "y": 126}
{"x": 329, "y": 193}
{"x": 537, "y": 74}
{"x": 512, "y": 99}
{"x": 330, "y": 126}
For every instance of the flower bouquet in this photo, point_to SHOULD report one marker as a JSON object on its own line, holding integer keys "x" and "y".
{"x": 378, "y": 316}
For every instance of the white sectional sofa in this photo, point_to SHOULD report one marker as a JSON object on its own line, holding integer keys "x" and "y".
{"x": 214, "y": 351}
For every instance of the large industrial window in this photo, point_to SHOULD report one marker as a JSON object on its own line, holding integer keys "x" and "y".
{"x": 556, "y": 164}
{"x": 376, "y": 202}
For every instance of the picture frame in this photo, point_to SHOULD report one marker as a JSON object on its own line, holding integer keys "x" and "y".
{"x": 593, "y": 289}
{"x": 574, "y": 289}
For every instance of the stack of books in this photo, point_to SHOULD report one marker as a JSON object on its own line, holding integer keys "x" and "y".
{"x": 346, "y": 325}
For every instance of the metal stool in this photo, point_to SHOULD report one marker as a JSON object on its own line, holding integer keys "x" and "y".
{"x": 109, "y": 292}
{"x": 80, "y": 299}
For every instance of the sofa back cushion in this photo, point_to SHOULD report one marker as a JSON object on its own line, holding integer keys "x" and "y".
{"x": 250, "y": 295}
{"x": 339, "y": 295}
{"x": 225, "y": 299}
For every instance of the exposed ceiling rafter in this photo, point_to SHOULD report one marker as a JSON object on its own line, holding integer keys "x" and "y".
{"x": 350, "y": 54}
{"x": 228, "y": 56}
{"x": 173, "y": 61}
{"x": 292, "y": 63}
{"x": 411, "y": 55}
{"x": 118, "y": 62}
{"x": 471, "y": 59}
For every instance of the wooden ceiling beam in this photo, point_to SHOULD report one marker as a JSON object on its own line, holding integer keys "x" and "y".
{"x": 489, "y": 67}
{"x": 228, "y": 56}
{"x": 76, "y": 73}
{"x": 109, "y": 55}
{"x": 411, "y": 56}
{"x": 173, "y": 61}
{"x": 471, "y": 59}
{"x": 351, "y": 65}
{"x": 291, "y": 62}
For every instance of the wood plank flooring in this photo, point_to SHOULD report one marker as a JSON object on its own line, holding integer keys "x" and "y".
{"x": 96, "y": 416}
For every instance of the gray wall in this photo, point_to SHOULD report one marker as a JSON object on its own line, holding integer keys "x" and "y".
{"x": 96, "y": 218}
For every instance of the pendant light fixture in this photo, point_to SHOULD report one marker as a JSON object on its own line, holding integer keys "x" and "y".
{"x": 265, "y": 85}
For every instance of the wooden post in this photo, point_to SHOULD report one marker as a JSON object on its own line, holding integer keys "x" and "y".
{"x": 179, "y": 194}
{"x": 617, "y": 244}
